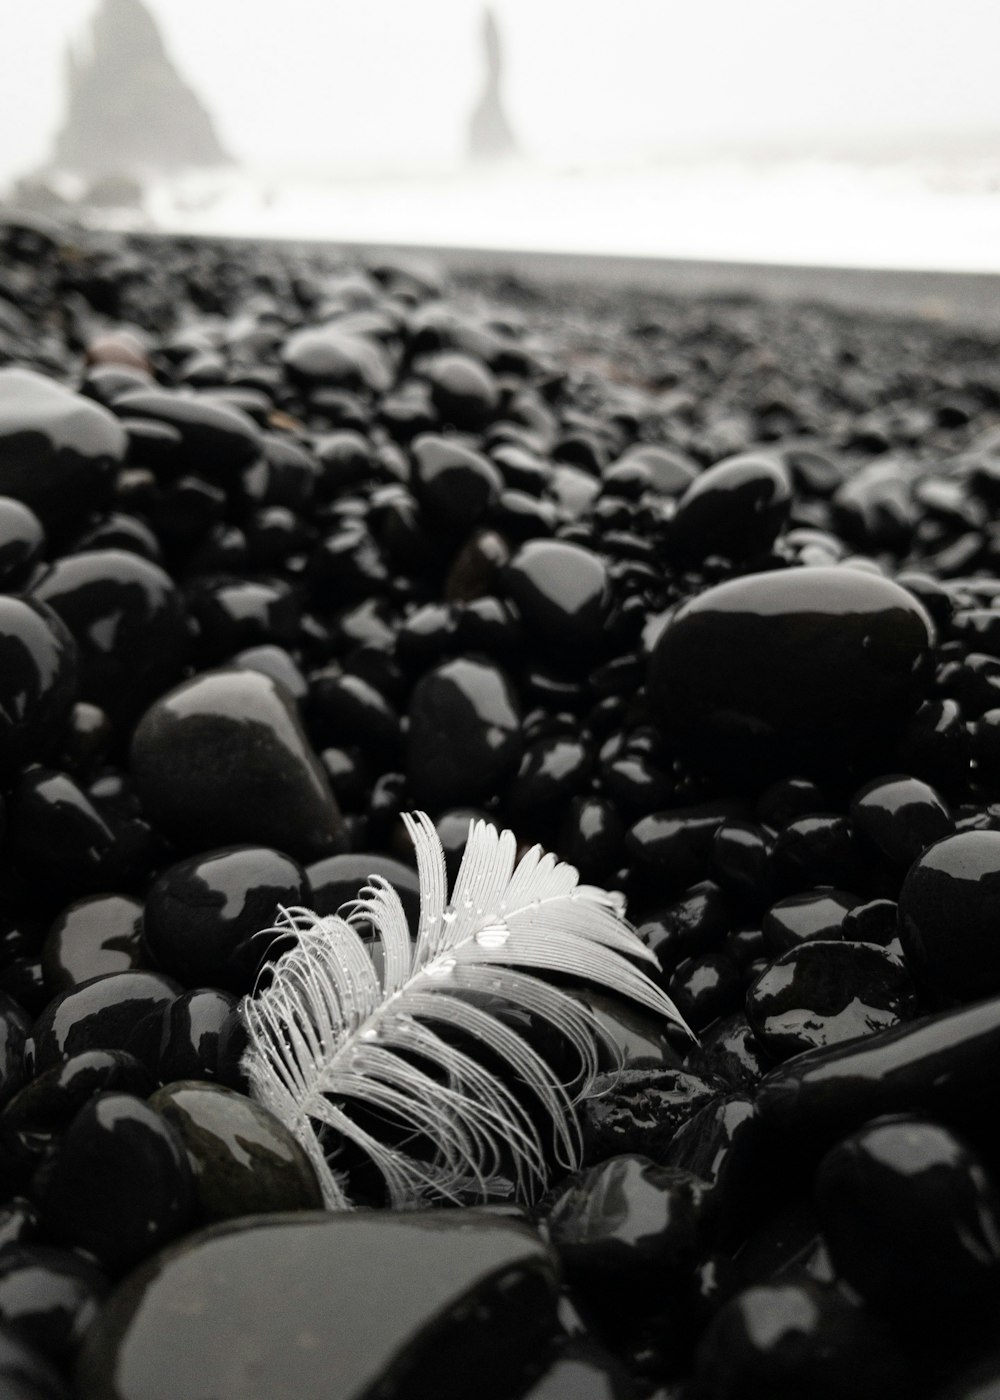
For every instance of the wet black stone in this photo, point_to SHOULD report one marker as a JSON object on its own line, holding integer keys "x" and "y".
{"x": 676, "y": 844}
{"x": 822, "y": 993}
{"x": 649, "y": 467}
{"x": 801, "y": 917}
{"x": 819, "y": 850}
{"x": 736, "y": 509}
{"x": 789, "y": 799}
{"x": 798, "y": 667}
{"x": 39, "y": 680}
{"x": 561, "y": 591}
{"x": 203, "y": 1316}
{"x": 583, "y": 1370}
{"x": 346, "y": 709}
{"x": 729, "y": 1051}
{"x": 235, "y": 613}
{"x": 948, "y": 916}
{"x": 912, "y": 1221}
{"x": 26, "y": 1374}
{"x": 705, "y": 988}
{"x": 223, "y": 759}
{"x": 93, "y": 936}
{"x": 901, "y": 816}
{"x": 463, "y": 390}
{"x": 58, "y": 451}
{"x": 22, "y": 543}
{"x": 690, "y": 926}
{"x": 275, "y": 662}
{"x": 741, "y": 858}
{"x": 54, "y": 1097}
{"x": 243, "y": 1160}
{"x": 195, "y": 1035}
{"x": 552, "y": 771}
{"x": 943, "y": 1065}
{"x": 215, "y": 439}
{"x": 873, "y": 922}
{"x": 626, "y": 1222}
{"x": 15, "y": 1023}
{"x": 338, "y": 879}
{"x": 721, "y": 1144}
{"x": 464, "y": 735}
{"x": 639, "y": 1038}
{"x": 103, "y": 1014}
{"x": 639, "y": 1111}
{"x": 453, "y": 483}
{"x": 203, "y": 915}
{"x": 119, "y": 1186}
{"x": 60, "y": 836}
{"x": 327, "y": 356}
{"x": 787, "y": 1340}
{"x": 18, "y": 1222}
{"x": 49, "y": 1297}
{"x": 591, "y": 837}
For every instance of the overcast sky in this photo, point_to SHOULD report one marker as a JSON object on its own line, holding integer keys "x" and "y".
{"x": 314, "y": 84}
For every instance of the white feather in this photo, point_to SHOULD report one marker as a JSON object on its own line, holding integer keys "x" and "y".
{"x": 328, "y": 1033}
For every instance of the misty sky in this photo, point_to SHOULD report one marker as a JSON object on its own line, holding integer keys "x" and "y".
{"x": 315, "y": 84}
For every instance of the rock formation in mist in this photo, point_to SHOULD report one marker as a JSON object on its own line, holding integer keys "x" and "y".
{"x": 128, "y": 110}
{"x": 490, "y": 134}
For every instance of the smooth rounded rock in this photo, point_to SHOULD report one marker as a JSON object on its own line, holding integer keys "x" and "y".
{"x": 204, "y": 916}
{"x": 453, "y": 482}
{"x": 215, "y": 439}
{"x": 22, "y": 543}
{"x": 561, "y": 591}
{"x": 223, "y": 759}
{"x": 93, "y": 936}
{"x": 821, "y": 993}
{"x": 120, "y": 1185}
{"x": 912, "y": 1222}
{"x": 54, "y": 1097}
{"x": 949, "y": 916}
{"x": 464, "y": 737}
{"x": 49, "y": 1297}
{"x": 244, "y": 1161}
{"x": 795, "y": 667}
{"x": 801, "y": 917}
{"x": 736, "y": 508}
{"x": 102, "y": 1014}
{"x": 58, "y": 450}
{"x": 38, "y": 679}
{"x": 901, "y": 816}
{"x": 321, "y": 355}
{"x": 455, "y": 1289}
{"x": 127, "y": 621}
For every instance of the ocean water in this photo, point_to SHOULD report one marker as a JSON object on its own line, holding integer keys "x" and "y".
{"x": 912, "y": 215}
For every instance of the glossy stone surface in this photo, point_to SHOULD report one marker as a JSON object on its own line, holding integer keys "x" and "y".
{"x": 901, "y": 816}
{"x": 101, "y": 1014}
{"x": 93, "y": 936}
{"x": 912, "y": 1221}
{"x": 789, "y": 1340}
{"x": 202, "y": 1317}
{"x": 337, "y": 879}
{"x": 941, "y": 1065}
{"x": 120, "y": 1185}
{"x": 128, "y": 623}
{"x": 455, "y": 484}
{"x": 223, "y": 759}
{"x": 821, "y": 993}
{"x": 326, "y": 355}
{"x": 197, "y": 1037}
{"x": 798, "y": 918}
{"x": 736, "y": 508}
{"x": 215, "y": 439}
{"x": 49, "y": 1297}
{"x": 58, "y": 450}
{"x": 639, "y": 1110}
{"x": 22, "y": 542}
{"x": 626, "y": 1220}
{"x": 204, "y": 914}
{"x": 243, "y": 1160}
{"x": 721, "y": 1144}
{"x": 948, "y": 910}
{"x": 793, "y": 666}
{"x": 561, "y": 591}
{"x": 39, "y": 680}
{"x": 56, "y": 1095}
{"x": 15, "y": 1023}
{"x": 463, "y": 390}
{"x": 26, "y": 1374}
{"x": 464, "y": 735}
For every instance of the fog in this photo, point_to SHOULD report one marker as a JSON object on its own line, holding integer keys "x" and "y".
{"x": 312, "y": 91}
